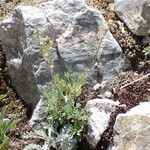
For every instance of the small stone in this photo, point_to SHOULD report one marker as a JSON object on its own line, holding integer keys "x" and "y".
{"x": 108, "y": 94}
{"x": 97, "y": 86}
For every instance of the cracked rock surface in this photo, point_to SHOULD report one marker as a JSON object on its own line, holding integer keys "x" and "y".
{"x": 74, "y": 27}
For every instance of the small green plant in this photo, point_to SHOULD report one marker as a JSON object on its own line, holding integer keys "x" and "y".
{"x": 52, "y": 139}
{"x": 146, "y": 51}
{"x": 100, "y": 37}
{"x": 66, "y": 118}
{"x": 62, "y": 107}
{"x": 5, "y": 126}
{"x": 46, "y": 45}
{"x": 2, "y": 96}
{"x": 61, "y": 104}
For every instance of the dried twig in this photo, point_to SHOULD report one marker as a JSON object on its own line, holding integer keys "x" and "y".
{"x": 145, "y": 76}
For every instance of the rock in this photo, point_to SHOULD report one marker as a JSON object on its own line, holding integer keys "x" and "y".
{"x": 108, "y": 94}
{"x": 23, "y": 59}
{"x": 38, "y": 113}
{"x": 135, "y": 14}
{"x": 101, "y": 110}
{"x": 146, "y": 41}
{"x": 97, "y": 86}
{"x": 132, "y": 130}
{"x": 74, "y": 26}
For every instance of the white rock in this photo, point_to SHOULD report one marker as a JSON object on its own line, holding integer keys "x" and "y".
{"x": 142, "y": 109}
{"x": 132, "y": 129}
{"x": 97, "y": 86}
{"x": 101, "y": 110}
{"x": 135, "y": 14}
{"x": 38, "y": 113}
{"x": 108, "y": 94}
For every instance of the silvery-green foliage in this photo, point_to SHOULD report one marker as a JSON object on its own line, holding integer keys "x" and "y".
{"x": 33, "y": 146}
{"x": 68, "y": 142}
{"x": 52, "y": 139}
{"x": 61, "y": 104}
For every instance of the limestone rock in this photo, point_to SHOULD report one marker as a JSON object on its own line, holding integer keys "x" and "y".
{"x": 101, "y": 110}
{"x": 74, "y": 27}
{"x": 135, "y": 14}
{"x": 132, "y": 130}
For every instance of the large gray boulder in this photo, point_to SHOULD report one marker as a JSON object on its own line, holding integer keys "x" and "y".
{"x": 132, "y": 130}
{"x": 135, "y": 14}
{"x": 74, "y": 27}
{"x": 101, "y": 110}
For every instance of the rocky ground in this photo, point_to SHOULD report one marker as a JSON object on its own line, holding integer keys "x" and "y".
{"x": 7, "y": 6}
{"x": 132, "y": 47}
{"x": 15, "y": 110}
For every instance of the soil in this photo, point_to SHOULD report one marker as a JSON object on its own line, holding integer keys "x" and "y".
{"x": 132, "y": 47}
{"x": 7, "y": 6}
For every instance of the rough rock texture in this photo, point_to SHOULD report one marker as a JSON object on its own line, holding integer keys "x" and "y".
{"x": 101, "y": 110}
{"x": 132, "y": 130}
{"x": 74, "y": 27}
{"x": 135, "y": 14}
